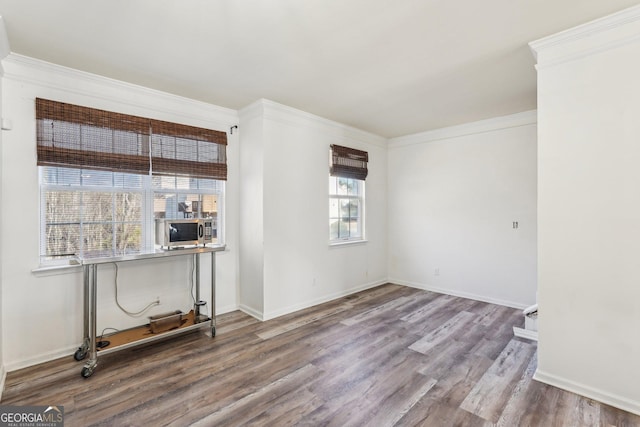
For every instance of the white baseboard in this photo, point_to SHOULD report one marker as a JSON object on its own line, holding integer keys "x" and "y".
{"x": 251, "y": 312}
{"x": 525, "y": 333}
{"x": 3, "y": 377}
{"x": 326, "y": 298}
{"x": 291, "y": 309}
{"x": 454, "y": 293}
{"x": 68, "y": 352}
{"x": 45, "y": 357}
{"x": 589, "y": 392}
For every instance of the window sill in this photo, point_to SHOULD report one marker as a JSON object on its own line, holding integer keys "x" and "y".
{"x": 337, "y": 244}
{"x": 51, "y": 270}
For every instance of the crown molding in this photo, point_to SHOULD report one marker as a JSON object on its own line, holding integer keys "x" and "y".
{"x": 56, "y": 77}
{"x": 272, "y": 110}
{"x": 602, "y": 34}
{"x": 489, "y": 125}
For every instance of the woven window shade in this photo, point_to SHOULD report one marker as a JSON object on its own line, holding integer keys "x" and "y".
{"x": 348, "y": 162}
{"x": 187, "y": 150}
{"x": 80, "y": 137}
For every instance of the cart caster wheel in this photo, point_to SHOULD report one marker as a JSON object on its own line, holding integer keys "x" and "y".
{"x": 86, "y": 372}
{"x": 79, "y": 354}
{"x": 213, "y": 332}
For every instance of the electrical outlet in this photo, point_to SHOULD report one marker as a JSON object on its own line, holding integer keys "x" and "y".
{"x": 436, "y": 272}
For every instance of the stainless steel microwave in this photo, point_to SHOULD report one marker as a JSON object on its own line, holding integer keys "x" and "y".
{"x": 183, "y": 232}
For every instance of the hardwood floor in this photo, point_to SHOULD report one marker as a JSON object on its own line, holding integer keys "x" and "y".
{"x": 387, "y": 356}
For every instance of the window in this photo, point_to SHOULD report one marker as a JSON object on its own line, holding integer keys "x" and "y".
{"x": 348, "y": 170}
{"x": 90, "y": 211}
{"x": 105, "y": 177}
{"x": 346, "y": 202}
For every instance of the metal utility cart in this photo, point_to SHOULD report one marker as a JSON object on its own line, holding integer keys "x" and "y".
{"x": 194, "y": 320}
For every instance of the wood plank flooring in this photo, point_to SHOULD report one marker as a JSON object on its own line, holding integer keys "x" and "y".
{"x": 383, "y": 357}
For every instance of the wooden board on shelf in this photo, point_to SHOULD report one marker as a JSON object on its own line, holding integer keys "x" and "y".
{"x": 139, "y": 333}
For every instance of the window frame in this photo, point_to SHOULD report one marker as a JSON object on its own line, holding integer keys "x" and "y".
{"x": 147, "y": 220}
{"x": 334, "y": 195}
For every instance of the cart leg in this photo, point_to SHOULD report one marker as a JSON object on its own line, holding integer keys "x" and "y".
{"x": 81, "y": 352}
{"x": 197, "y": 304}
{"x": 213, "y": 294}
{"x": 91, "y": 364}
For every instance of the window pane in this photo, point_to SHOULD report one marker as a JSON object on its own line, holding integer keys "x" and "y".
{"x": 210, "y": 184}
{"x": 354, "y": 187}
{"x": 354, "y": 209}
{"x": 183, "y": 183}
{"x": 128, "y": 237}
{"x": 98, "y": 238}
{"x": 127, "y": 180}
{"x": 334, "y": 229}
{"x": 128, "y": 207}
{"x": 97, "y": 206}
{"x": 60, "y": 176}
{"x": 333, "y": 185}
{"x": 164, "y": 182}
{"x": 354, "y": 228}
{"x": 209, "y": 206}
{"x": 62, "y": 207}
{"x": 160, "y": 204}
{"x": 62, "y": 240}
{"x": 343, "y": 186}
{"x": 344, "y": 229}
{"x": 97, "y": 178}
{"x": 344, "y": 208}
{"x": 334, "y": 210}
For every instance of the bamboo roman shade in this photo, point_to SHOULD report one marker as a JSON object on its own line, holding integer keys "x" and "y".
{"x": 348, "y": 162}
{"x": 188, "y": 150}
{"x": 81, "y": 137}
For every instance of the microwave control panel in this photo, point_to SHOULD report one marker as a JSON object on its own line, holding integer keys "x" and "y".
{"x": 208, "y": 231}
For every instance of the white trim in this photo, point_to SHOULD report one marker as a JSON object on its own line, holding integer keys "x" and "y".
{"x": 589, "y": 392}
{"x": 524, "y": 118}
{"x": 467, "y": 295}
{"x": 342, "y": 243}
{"x": 251, "y": 312}
{"x": 69, "y": 351}
{"x": 291, "y": 116}
{"x": 599, "y": 35}
{"x": 56, "y": 77}
{"x": 525, "y": 333}
{"x": 42, "y": 358}
{"x": 54, "y": 270}
{"x": 322, "y": 300}
{"x": 3, "y": 377}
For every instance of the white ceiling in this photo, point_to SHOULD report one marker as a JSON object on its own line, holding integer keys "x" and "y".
{"x": 391, "y": 68}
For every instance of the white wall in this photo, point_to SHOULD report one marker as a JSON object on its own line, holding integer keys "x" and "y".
{"x": 3, "y": 42}
{"x": 251, "y": 289}
{"x": 589, "y": 209}
{"x": 454, "y": 194}
{"x": 44, "y": 310}
{"x": 299, "y": 268}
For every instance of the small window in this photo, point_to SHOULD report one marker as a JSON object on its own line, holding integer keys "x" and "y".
{"x": 348, "y": 170}
{"x": 346, "y": 209}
